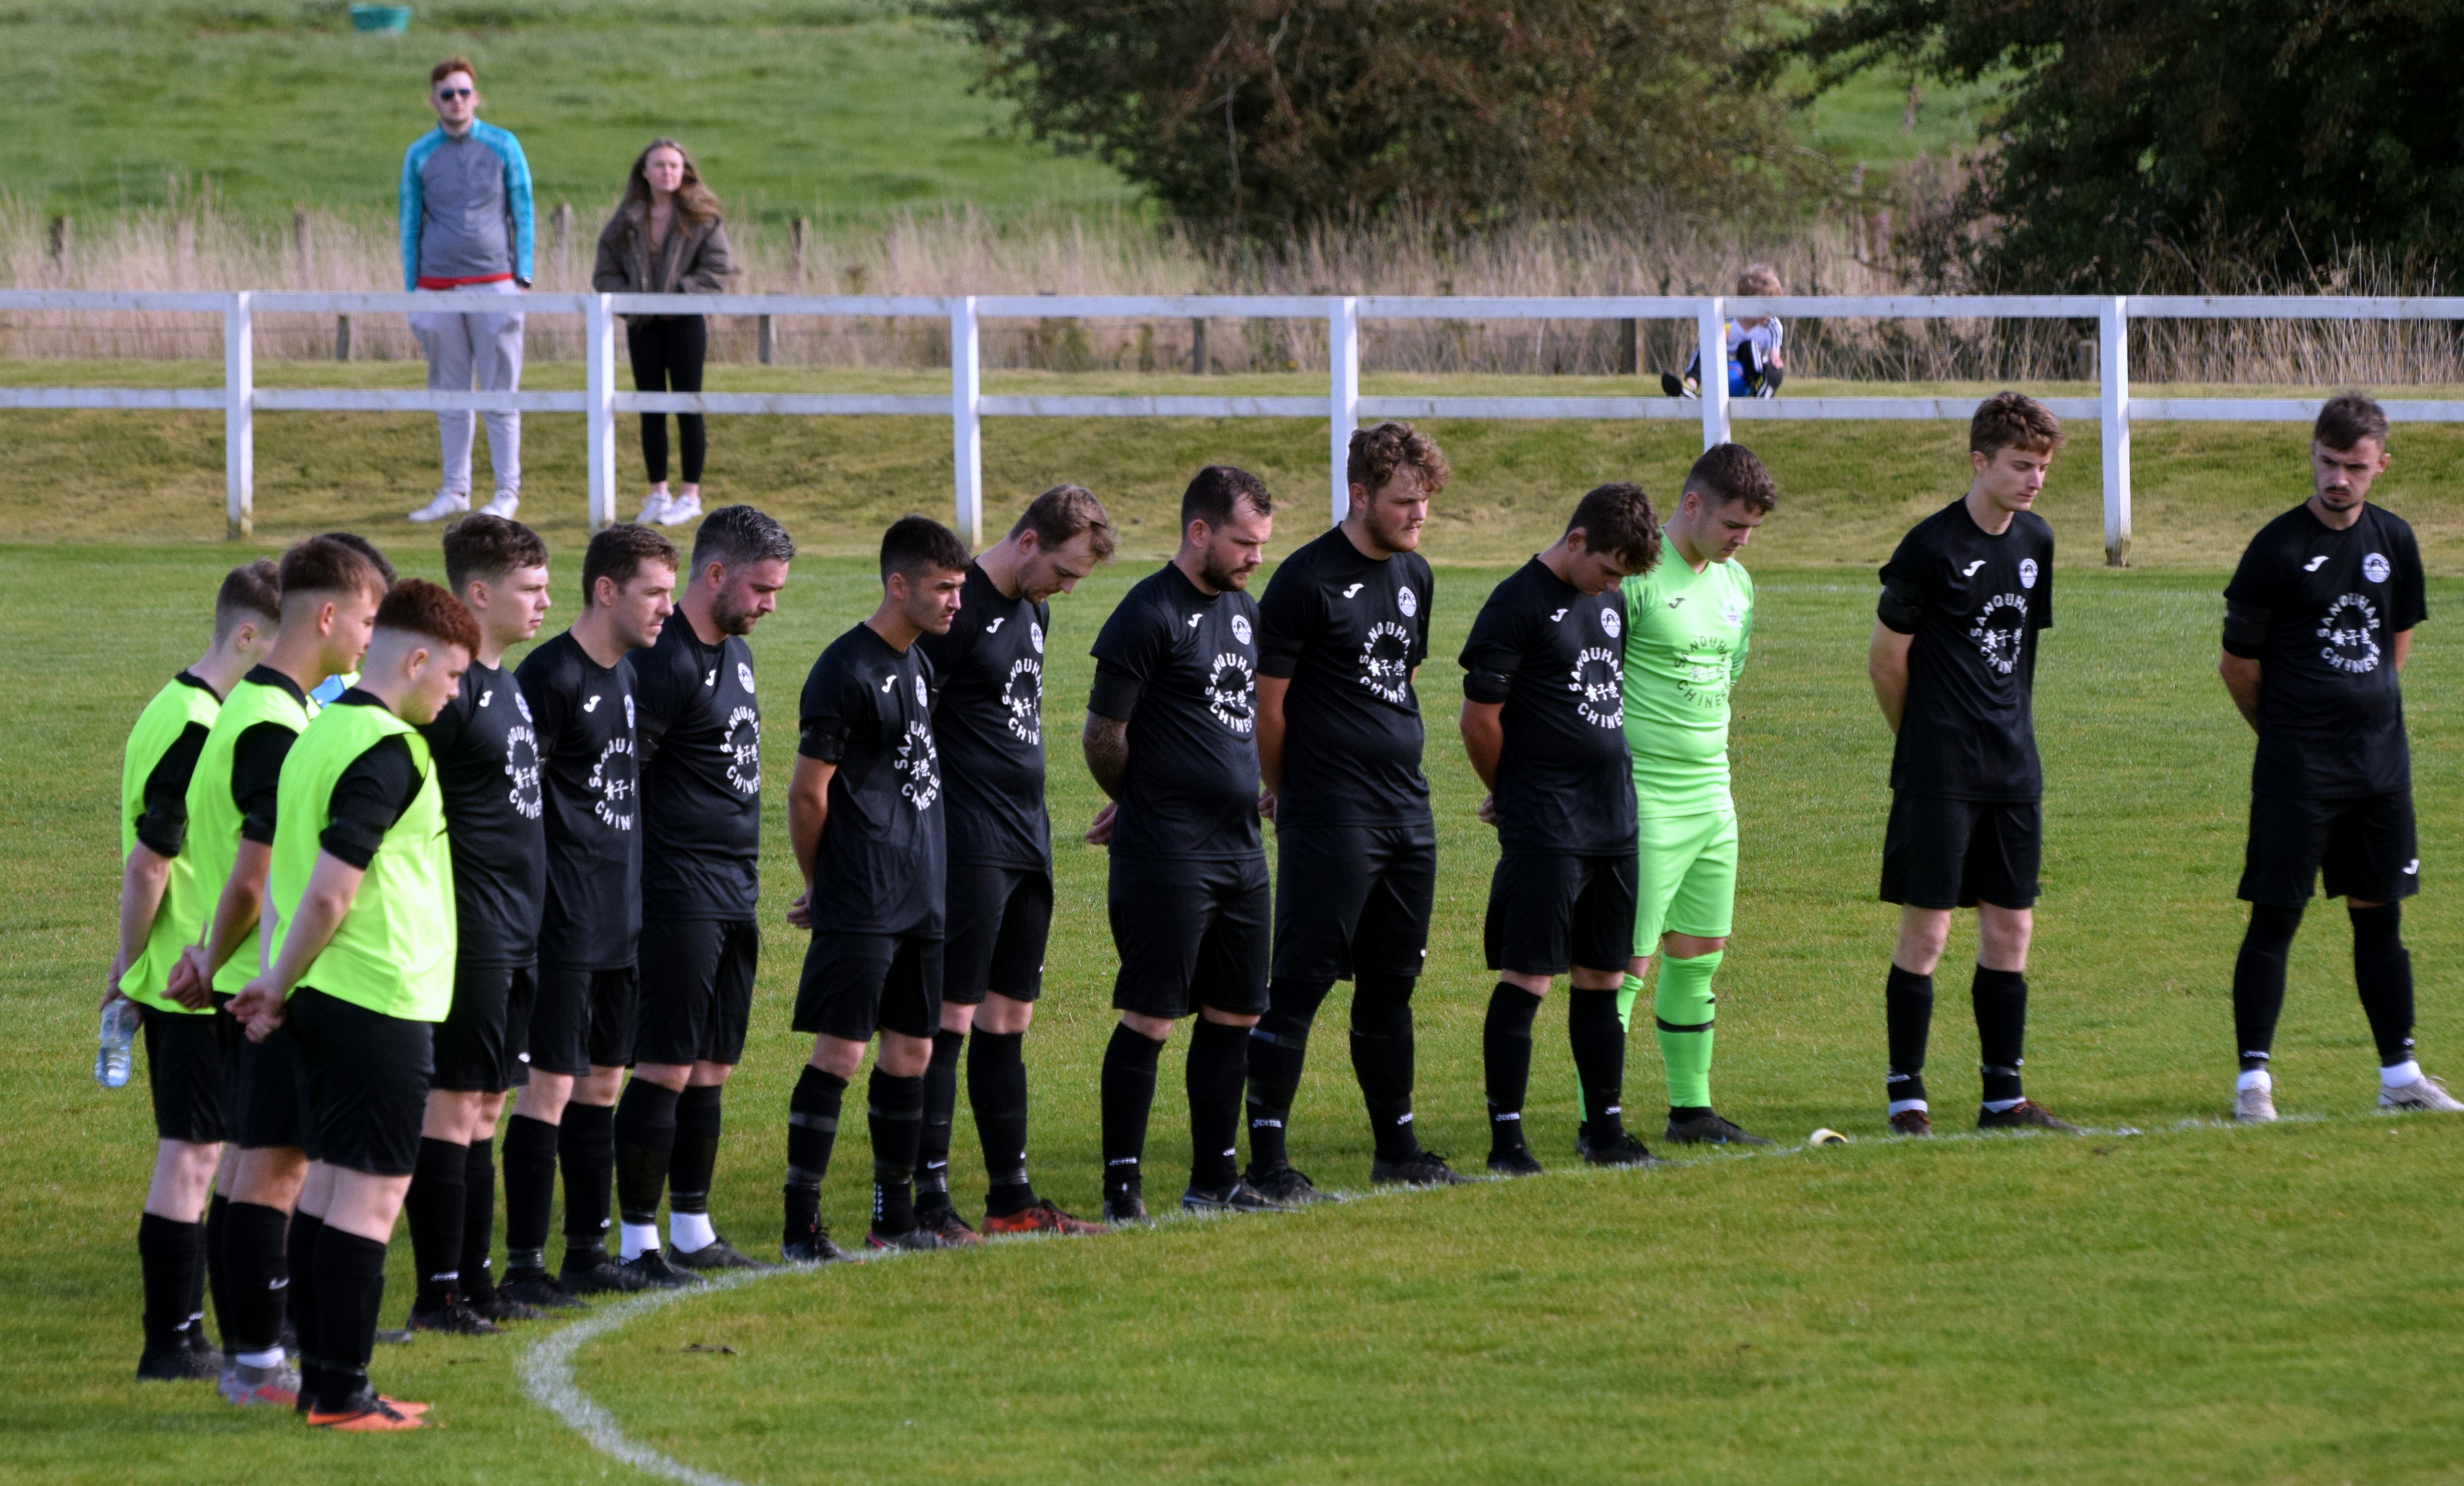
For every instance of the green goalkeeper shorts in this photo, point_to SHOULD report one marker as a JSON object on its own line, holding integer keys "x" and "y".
{"x": 1687, "y": 877}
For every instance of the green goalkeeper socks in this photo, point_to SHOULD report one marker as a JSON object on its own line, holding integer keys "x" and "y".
{"x": 1683, "y": 1007}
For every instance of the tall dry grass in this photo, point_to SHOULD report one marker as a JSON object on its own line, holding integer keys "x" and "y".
{"x": 1850, "y": 249}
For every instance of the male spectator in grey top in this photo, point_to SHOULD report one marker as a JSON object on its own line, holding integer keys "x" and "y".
{"x": 466, "y": 228}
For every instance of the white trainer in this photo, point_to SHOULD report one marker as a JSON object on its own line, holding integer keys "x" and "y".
{"x": 448, "y": 503}
{"x": 654, "y": 508}
{"x": 681, "y": 510}
{"x": 2422, "y": 1094}
{"x": 2255, "y": 1105}
{"x": 504, "y": 505}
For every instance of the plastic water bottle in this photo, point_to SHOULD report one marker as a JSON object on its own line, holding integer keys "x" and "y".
{"x": 111, "y": 1058}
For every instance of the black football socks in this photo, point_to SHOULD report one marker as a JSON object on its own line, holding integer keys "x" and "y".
{"x": 168, "y": 1259}
{"x": 262, "y": 1275}
{"x": 895, "y": 1115}
{"x": 432, "y": 1210}
{"x": 699, "y": 1115}
{"x": 2258, "y": 981}
{"x": 812, "y": 1130}
{"x": 585, "y": 1146}
{"x": 1907, "y": 1013}
{"x": 997, "y": 1093}
{"x": 2000, "y": 998}
{"x": 1505, "y": 1058}
{"x": 348, "y": 1277}
{"x": 530, "y": 1188}
{"x": 940, "y": 1108}
{"x": 478, "y": 1220}
{"x": 1129, "y": 1082}
{"x": 644, "y": 1132}
{"x": 212, "y": 1237}
{"x": 1218, "y": 1066}
{"x": 1381, "y": 1059}
{"x": 1597, "y": 1038}
{"x": 306, "y": 1237}
{"x": 2383, "y": 974}
{"x": 1278, "y": 1050}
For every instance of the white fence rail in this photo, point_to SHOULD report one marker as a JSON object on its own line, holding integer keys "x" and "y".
{"x": 1344, "y": 407}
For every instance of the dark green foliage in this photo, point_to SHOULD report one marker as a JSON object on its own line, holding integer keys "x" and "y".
{"x": 1264, "y": 116}
{"x": 2189, "y": 143}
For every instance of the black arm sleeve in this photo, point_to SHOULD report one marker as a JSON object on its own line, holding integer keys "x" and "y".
{"x": 2246, "y": 628}
{"x": 1901, "y": 607}
{"x": 368, "y": 798}
{"x": 2411, "y": 597}
{"x": 1492, "y": 657}
{"x": 256, "y": 777}
{"x": 1133, "y": 645}
{"x": 163, "y": 828}
{"x": 834, "y": 704}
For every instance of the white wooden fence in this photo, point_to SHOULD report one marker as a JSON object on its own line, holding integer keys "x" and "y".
{"x": 1344, "y": 407}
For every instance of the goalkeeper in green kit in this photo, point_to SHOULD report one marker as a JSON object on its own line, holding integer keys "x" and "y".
{"x": 1688, "y": 623}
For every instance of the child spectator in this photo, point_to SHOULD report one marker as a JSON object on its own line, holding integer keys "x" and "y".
{"x": 1756, "y": 365}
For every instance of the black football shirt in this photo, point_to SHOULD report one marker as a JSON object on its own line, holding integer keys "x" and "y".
{"x": 1348, "y": 630}
{"x": 589, "y": 790}
{"x": 989, "y": 723}
{"x": 2320, "y": 610}
{"x": 1180, "y": 666}
{"x": 487, "y": 761}
{"x": 699, "y": 725}
{"x": 1554, "y": 657}
{"x": 256, "y": 764}
{"x": 1974, "y": 604}
{"x": 867, "y": 709}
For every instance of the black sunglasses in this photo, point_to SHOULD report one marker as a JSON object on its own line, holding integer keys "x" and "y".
{"x": 454, "y": 93}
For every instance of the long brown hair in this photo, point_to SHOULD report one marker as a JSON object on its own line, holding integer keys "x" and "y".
{"x": 695, "y": 202}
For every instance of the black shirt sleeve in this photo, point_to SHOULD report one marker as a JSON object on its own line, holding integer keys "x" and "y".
{"x": 2251, "y": 599}
{"x": 368, "y": 798}
{"x": 2412, "y": 601}
{"x": 835, "y": 705}
{"x": 256, "y": 777}
{"x": 164, "y": 827}
{"x": 1133, "y": 645}
{"x": 664, "y": 676}
{"x": 1494, "y": 653}
{"x": 1293, "y": 609}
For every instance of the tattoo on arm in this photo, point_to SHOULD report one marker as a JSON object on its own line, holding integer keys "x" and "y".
{"x": 1106, "y": 742}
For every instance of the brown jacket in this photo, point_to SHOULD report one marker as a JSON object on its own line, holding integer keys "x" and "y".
{"x": 692, "y": 260}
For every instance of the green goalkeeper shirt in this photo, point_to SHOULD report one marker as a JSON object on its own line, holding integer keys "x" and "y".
{"x": 1685, "y": 640}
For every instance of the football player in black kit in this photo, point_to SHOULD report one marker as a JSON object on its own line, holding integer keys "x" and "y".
{"x": 989, "y": 723}
{"x": 2319, "y": 623}
{"x": 865, "y": 815}
{"x": 1172, "y": 737}
{"x": 1543, "y": 722}
{"x": 580, "y": 689}
{"x": 698, "y": 725}
{"x": 1343, "y": 629}
{"x": 1953, "y": 662}
{"x": 487, "y": 763}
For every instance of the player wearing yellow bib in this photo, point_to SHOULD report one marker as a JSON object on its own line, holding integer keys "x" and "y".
{"x": 1688, "y": 623}
{"x": 187, "y": 1052}
{"x": 361, "y": 889}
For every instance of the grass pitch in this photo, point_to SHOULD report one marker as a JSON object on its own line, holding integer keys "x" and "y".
{"x": 2195, "y": 1301}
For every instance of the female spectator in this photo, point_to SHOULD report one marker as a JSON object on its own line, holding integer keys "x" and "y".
{"x": 665, "y": 238}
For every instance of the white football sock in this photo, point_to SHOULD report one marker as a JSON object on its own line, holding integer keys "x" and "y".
{"x": 635, "y": 1238}
{"x": 2253, "y": 1079}
{"x": 2405, "y": 1072}
{"x": 271, "y": 1357}
{"x": 1903, "y": 1105}
{"x": 690, "y": 1230}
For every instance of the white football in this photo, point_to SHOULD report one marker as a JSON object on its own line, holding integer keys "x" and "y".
{"x": 1826, "y": 1137}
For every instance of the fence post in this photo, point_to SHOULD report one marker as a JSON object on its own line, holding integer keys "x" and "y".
{"x": 764, "y": 340}
{"x": 2113, "y": 390}
{"x": 599, "y": 407}
{"x": 966, "y": 432}
{"x": 1711, "y": 367}
{"x": 341, "y": 337}
{"x": 239, "y": 429}
{"x": 1198, "y": 346}
{"x": 1629, "y": 347}
{"x": 1343, "y": 410}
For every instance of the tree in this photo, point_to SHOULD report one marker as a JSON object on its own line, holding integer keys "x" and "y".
{"x": 2190, "y": 143}
{"x": 1265, "y": 115}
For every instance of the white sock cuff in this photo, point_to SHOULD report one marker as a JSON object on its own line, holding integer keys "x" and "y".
{"x": 2397, "y": 1077}
{"x": 1903, "y": 1105}
{"x": 690, "y": 1230}
{"x": 634, "y": 1238}
{"x": 2253, "y": 1079}
{"x": 271, "y": 1357}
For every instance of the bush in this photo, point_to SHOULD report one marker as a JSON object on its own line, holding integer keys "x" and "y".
{"x": 1266, "y": 116}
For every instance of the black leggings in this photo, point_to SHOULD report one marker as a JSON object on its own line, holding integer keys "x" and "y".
{"x": 667, "y": 357}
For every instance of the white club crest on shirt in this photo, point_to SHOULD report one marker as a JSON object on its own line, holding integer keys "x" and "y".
{"x": 629, "y": 709}
{"x": 2374, "y": 567}
{"x": 922, "y": 698}
{"x": 1035, "y": 636}
{"x": 1240, "y": 627}
{"x": 1408, "y": 602}
{"x": 744, "y": 675}
{"x": 1610, "y": 623}
{"x": 522, "y": 702}
{"x": 2026, "y": 572}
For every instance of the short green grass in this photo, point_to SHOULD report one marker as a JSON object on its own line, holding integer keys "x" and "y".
{"x": 792, "y": 108}
{"x": 2193, "y": 1302}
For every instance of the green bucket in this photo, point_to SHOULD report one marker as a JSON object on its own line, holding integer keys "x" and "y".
{"x": 388, "y": 21}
